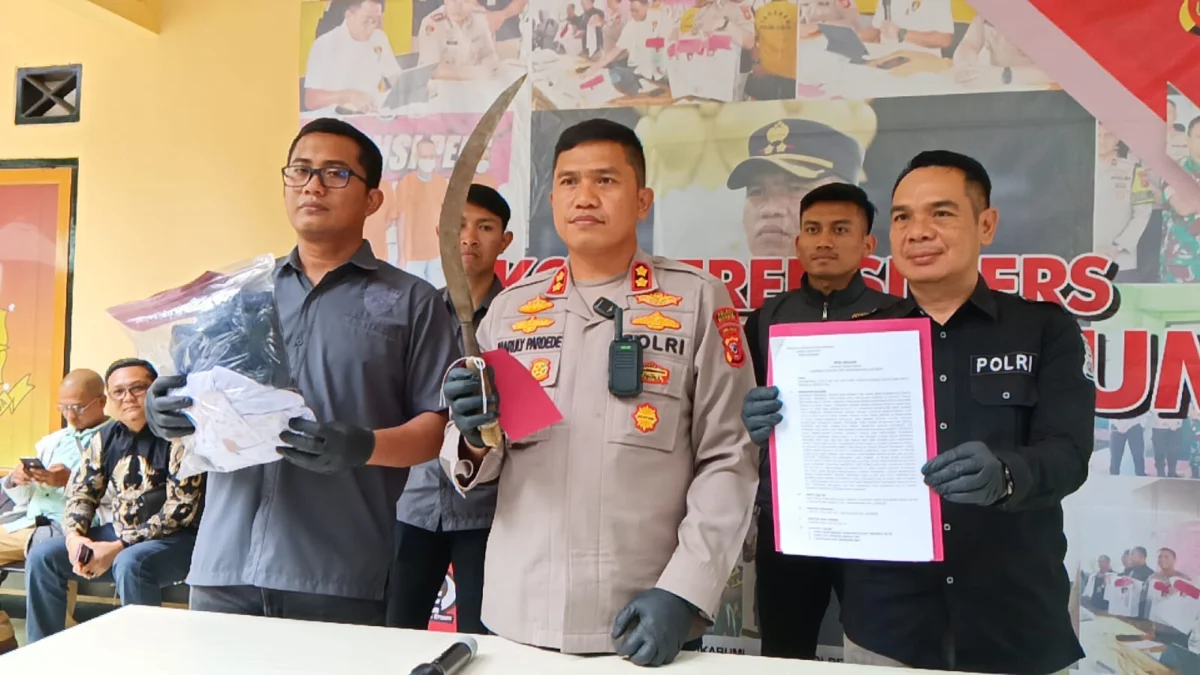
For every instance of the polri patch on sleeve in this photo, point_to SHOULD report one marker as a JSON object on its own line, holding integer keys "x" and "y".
{"x": 726, "y": 316}
{"x": 731, "y": 341}
{"x": 999, "y": 364}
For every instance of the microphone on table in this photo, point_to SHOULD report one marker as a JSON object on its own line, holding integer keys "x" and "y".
{"x": 452, "y": 661}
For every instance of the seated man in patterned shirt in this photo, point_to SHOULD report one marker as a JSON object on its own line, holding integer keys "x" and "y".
{"x": 39, "y": 496}
{"x": 155, "y": 513}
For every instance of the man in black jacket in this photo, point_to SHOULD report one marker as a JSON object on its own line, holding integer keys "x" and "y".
{"x": 835, "y": 235}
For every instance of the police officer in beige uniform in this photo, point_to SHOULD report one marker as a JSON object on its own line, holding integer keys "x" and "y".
{"x": 617, "y": 528}
{"x": 728, "y": 17}
{"x": 1124, "y": 202}
{"x": 458, "y": 39}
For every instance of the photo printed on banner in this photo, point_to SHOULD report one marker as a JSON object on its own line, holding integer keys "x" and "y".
{"x": 885, "y": 48}
{"x": 1183, "y": 119}
{"x": 419, "y": 154}
{"x": 1128, "y": 223}
{"x": 728, "y": 179}
{"x": 1147, "y": 418}
{"x": 1134, "y": 559}
{"x": 408, "y": 57}
{"x": 1042, "y": 169}
{"x": 598, "y": 53}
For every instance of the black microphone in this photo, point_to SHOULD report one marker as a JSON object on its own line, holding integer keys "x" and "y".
{"x": 452, "y": 661}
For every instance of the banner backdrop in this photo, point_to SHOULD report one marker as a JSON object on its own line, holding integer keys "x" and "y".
{"x": 1098, "y": 200}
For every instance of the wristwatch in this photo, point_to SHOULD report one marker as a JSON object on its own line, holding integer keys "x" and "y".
{"x": 900, "y": 34}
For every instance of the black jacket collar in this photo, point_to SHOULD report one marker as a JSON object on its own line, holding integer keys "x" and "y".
{"x": 843, "y": 298}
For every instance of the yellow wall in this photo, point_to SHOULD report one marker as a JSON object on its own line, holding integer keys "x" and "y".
{"x": 180, "y": 143}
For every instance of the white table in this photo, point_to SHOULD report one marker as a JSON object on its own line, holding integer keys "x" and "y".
{"x": 153, "y": 641}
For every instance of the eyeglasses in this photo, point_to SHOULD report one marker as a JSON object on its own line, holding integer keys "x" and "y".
{"x": 331, "y": 177}
{"x": 135, "y": 390}
{"x": 76, "y": 409}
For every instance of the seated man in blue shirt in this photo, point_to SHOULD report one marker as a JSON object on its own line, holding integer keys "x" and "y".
{"x": 39, "y": 495}
{"x": 149, "y": 544}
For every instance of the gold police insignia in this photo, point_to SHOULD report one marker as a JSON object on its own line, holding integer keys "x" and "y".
{"x": 776, "y": 136}
{"x": 532, "y": 325}
{"x": 656, "y": 322}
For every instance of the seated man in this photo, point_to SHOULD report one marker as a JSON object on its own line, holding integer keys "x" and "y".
{"x": 38, "y": 495}
{"x": 149, "y": 544}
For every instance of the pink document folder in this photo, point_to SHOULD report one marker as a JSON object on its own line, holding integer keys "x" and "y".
{"x": 525, "y": 408}
{"x": 922, "y": 327}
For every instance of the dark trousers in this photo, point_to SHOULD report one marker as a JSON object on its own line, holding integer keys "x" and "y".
{"x": 255, "y": 601}
{"x": 792, "y": 594}
{"x": 140, "y": 572}
{"x": 422, "y": 558}
{"x": 1167, "y": 450}
{"x": 1136, "y": 440}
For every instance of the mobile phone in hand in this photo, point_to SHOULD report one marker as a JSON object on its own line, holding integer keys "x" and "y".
{"x": 85, "y": 554}
{"x": 32, "y": 463}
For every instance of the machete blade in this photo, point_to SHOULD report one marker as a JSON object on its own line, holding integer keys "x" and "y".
{"x": 450, "y": 222}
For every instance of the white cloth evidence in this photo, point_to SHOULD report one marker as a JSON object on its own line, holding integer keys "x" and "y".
{"x": 237, "y": 421}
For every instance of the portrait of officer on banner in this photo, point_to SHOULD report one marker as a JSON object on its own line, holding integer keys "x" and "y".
{"x": 787, "y": 159}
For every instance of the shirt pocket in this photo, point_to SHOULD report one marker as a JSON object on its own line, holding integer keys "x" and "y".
{"x": 372, "y": 327}
{"x": 543, "y": 366}
{"x": 1006, "y": 402}
{"x": 651, "y": 420}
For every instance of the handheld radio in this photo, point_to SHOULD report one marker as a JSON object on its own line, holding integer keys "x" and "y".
{"x": 624, "y": 354}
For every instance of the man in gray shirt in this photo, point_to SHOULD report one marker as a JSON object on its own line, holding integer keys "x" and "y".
{"x": 310, "y": 538}
{"x": 436, "y": 525}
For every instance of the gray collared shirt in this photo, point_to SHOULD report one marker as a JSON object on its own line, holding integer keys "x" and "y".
{"x": 368, "y": 346}
{"x": 429, "y": 500}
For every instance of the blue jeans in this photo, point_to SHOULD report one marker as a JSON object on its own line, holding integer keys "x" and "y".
{"x": 140, "y": 572}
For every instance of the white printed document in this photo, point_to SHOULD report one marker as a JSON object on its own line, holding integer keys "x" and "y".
{"x": 858, "y": 425}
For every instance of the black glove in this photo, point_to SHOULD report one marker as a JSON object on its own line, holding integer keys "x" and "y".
{"x": 968, "y": 474}
{"x": 660, "y": 623}
{"x": 326, "y": 448}
{"x": 463, "y": 393}
{"x": 162, "y": 410}
{"x": 760, "y": 413}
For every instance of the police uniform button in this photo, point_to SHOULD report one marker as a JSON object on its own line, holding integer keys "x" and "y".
{"x": 942, "y": 426}
{"x": 1006, "y": 395}
{"x": 946, "y": 527}
{"x": 942, "y": 378}
{"x": 949, "y": 580}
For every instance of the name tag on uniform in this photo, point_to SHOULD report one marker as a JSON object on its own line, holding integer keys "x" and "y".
{"x": 1015, "y": 362}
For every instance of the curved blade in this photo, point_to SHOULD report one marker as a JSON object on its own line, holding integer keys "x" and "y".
{"x": 450, "y": 222}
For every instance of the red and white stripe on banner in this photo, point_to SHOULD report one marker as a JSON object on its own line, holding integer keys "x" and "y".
{"x": 1116, "y": 59}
